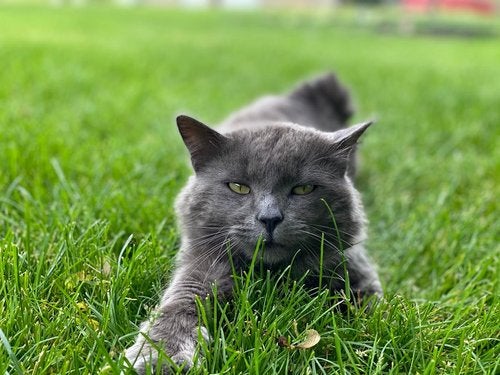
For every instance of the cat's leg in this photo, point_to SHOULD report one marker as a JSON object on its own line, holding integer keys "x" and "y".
{"x": 363, "y": 277}
{"x": 174, "y": 328}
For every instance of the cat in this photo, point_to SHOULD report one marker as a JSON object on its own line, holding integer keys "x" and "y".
{"x": 280, "y": 170}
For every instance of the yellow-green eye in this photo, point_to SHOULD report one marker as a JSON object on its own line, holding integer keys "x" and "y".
{"x": 239, "y": 188}
{"x": 302, "y": 189}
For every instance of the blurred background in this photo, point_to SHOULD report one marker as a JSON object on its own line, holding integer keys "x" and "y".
{"x": 478, "y": 6}
{"x": 408, "y": 16}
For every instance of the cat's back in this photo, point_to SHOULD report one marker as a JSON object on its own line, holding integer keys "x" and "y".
{"x": 322, "y": 103}
{"x": 263, "y": 112}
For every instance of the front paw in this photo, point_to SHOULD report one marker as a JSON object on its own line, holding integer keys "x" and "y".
{"x": 164, "y": 356}
{"x": 148, "y": 358}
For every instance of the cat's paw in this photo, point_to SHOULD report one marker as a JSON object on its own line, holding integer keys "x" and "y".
{"x": 149, "y": 361}
{"x": 184, "y": 359}
{"x": 170, "y": 354}
{"x": 154, "y": 360}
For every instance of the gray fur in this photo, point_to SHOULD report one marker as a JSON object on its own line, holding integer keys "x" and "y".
{"x": 263, "y": 147}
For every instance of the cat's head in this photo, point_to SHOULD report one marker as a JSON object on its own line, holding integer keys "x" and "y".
{"x": 285, "y": 183}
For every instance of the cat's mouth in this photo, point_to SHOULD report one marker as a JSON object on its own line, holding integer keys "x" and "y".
{"x": 271, "y": 243}
{"x": 269, "y": 240}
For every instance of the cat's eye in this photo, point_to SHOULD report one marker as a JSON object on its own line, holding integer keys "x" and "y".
{"x": 302, "y": 189}
{"x": 239, "y": 188}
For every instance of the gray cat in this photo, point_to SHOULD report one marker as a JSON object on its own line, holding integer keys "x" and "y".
{"x": 263, "y": 176}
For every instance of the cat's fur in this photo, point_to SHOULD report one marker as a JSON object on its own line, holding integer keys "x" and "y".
{"x": 262, "y": 147}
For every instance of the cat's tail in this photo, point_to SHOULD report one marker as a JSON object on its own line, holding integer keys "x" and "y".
{"x": 326, "y": 100}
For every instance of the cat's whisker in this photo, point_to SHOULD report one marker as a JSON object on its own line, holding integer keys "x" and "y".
{"x": 214, "y": 239}
{"x": 220, "y": 228}
{"x": 321, "y": 238}
{"x": 329, "y": 229}
{"x": 315, "y": 255}
{"x": 334, "y": 236}
{"x": 207, "y": 254}
{"x": 212, "y": 266}
{"x": 220, "y": 247}
{"x": 210, "y": 237}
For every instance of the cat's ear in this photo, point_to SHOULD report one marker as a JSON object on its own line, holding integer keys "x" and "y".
{"x": 202, "y": 142}
{"x": 345, "y": 140}
{"x": 348, "y": 137}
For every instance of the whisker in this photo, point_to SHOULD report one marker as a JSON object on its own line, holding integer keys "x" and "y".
{"x": 330, "y": 229}
{"x": 321, "y": 238}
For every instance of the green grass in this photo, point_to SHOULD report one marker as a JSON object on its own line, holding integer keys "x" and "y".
{"x": 90, "y": 163}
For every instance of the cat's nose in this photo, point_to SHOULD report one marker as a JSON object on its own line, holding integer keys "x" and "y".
{"x": 269, "y": 214}
{"x": 270, "y": 222}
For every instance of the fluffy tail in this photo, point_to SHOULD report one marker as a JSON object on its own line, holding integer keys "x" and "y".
{"x": 326, "y": 101}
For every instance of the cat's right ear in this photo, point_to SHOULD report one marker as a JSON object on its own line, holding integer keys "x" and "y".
{"x": 202, "y": 142}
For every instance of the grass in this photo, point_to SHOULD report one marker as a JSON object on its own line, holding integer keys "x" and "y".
{"x": 91, "y": 163}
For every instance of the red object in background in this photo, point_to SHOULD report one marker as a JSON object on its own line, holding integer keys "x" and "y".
{"x": 476, "y": 6}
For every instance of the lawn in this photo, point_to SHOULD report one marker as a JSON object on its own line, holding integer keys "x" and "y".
{"x": 91, "y": 162}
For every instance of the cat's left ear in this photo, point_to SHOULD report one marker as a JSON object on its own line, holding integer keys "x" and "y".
{"x": 348, "y": 137}
{"x": 202, "y": 142}
{"x": 345, "y": 140}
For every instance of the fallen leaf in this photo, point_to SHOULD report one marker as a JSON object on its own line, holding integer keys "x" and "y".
{"x": 312, "y": 338}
